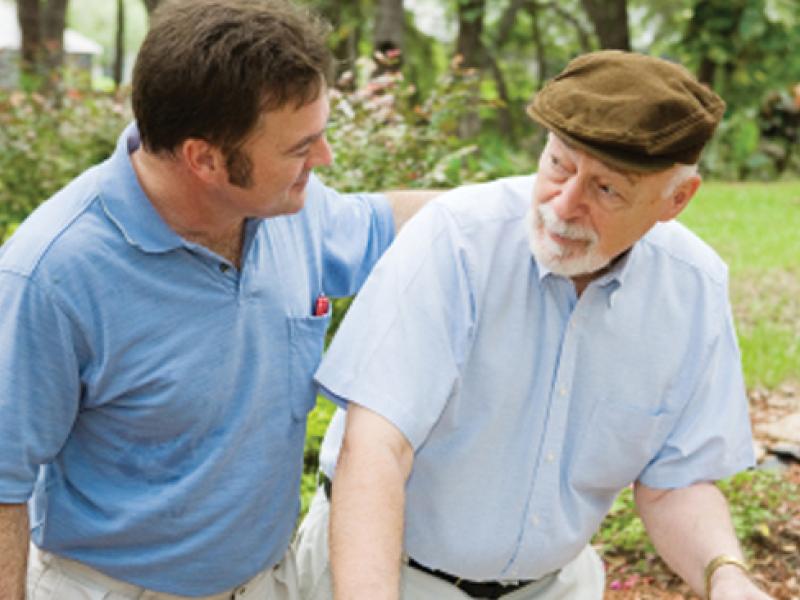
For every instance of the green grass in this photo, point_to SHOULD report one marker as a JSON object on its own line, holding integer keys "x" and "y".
{"x": 758, "y": 503}
{"x": 755, "y": 227}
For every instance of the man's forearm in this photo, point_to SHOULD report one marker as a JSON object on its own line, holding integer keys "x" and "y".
{"x": 13, "y": 550}
{"x": 366, "y": 530}
{"x": 406, "y": 203}
{"x": 689, "y": 527}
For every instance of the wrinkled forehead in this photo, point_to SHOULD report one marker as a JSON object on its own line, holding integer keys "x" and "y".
{"x": 559, "y": 144}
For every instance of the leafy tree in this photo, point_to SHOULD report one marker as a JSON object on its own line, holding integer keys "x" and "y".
{"x": 743, "y": 47}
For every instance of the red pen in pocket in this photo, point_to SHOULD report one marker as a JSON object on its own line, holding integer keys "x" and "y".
{"x": 321, "y": 305}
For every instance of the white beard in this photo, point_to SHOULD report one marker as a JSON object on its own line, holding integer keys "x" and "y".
{"x": 558, "y": 259}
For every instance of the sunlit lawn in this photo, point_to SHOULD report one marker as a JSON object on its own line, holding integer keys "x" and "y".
{"x": 756, "y": 229}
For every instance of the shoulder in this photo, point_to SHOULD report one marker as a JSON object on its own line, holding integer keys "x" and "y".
{"x": 678, "y": 248}
{"x": 494, "y": 202}
{"x": 49, "y": 238}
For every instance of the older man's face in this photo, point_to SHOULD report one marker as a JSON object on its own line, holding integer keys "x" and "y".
{"x": 585, "y": 213}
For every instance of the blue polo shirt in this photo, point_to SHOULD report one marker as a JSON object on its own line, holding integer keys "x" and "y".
{"x": 153, "y": 398}
{"x": 529, "y": 408}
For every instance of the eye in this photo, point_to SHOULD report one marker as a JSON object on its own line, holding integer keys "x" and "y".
{"x": 607, "y": 190}
{"x": 556, "y": 166}
{"x": 302, "y": 152}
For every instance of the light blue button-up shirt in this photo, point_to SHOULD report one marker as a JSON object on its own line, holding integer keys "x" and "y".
{"x": 164, "y": 391}
{"x": 528, "y": 408}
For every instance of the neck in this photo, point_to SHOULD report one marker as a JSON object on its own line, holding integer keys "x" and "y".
{"x": 187, "y": 206}
{"x": 582, "y": 281}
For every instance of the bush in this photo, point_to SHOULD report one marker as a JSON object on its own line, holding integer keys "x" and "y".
{"x": 382, "y": 139}
{"x": 46, "y": 143}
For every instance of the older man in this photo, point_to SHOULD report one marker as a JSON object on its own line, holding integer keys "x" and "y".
{"x": 162, "y": 315}
{"x": 528, "y": 348}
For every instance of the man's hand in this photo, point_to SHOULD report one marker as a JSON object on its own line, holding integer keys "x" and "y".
{"x": 729, "y": 582}
{"x": 13, "y": 550}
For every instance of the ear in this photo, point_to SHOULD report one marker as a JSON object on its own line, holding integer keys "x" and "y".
{"x": 203, "y": 160}
{"x": 680, "y": 198}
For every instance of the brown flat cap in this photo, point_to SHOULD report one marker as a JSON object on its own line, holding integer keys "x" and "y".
{"x": 634, "y": 112}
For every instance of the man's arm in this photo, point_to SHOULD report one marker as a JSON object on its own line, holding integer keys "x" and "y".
{"x": 13, "y": 550}
{"x": 366, "y": 529}
{"x": 406, "y": 203}
{"x": 690, "y": 527}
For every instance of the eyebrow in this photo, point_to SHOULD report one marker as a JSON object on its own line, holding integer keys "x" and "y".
{"x": 633, "y": 178}
{"x": 306, "y": 141}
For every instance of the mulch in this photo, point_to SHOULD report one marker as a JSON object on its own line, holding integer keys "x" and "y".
{"x": 775, "y": 558}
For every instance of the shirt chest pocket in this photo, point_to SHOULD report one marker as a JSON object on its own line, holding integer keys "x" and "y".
{"x": 306, "y": 342}
{"x": 616, "y": 445}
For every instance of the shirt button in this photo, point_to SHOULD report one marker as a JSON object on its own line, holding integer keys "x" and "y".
{"x": 550, "y": 457}
{"x": 535, "y": 520}
{"x": 563, "y": 391}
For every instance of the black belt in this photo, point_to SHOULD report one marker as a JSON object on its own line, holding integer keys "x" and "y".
{"x": 474, "y": 589}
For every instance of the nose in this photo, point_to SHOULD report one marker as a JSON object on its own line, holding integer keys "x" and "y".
{"x": 569, "y": 203}
{"x": 321, "y": 153}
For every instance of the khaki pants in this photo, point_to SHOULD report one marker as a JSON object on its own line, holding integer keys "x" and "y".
{"x": 581, "y": 579}
{"x": 51, "y": 577}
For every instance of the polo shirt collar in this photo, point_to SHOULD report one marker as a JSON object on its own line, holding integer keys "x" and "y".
{"x": 126, "y": 204}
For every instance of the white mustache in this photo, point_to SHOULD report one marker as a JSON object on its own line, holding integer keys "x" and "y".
{"x": 561, "y": 228}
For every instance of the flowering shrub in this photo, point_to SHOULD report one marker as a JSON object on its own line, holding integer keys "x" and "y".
{"x": 44, "y": 144}
{"x": 383, "y": 139}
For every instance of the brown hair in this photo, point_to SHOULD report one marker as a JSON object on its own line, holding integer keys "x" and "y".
{"x": 207, "y": 69}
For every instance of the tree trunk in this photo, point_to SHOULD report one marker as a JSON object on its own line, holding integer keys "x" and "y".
{"x": 389, "y": 33}
{"x": 508, "y": 19}
{"x": 119, "y": 44}
{"x": 538, "y": 43}
{"x": 53, "y": 24}
{"x": 610, "y": 20}
{"x": 470, "y": 29}
{"x": 31, "y": 43}
{"x": 42, "y": 46}
{"x": 583, "y": 35}
{"x": 348, "y": 23}
{"x": 151, "y": 5}
{"x": 470, "y": 47}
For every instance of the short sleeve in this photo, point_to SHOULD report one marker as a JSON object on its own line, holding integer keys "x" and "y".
{"x": 39, "y": 383}
{"x": 401, "y": 345}
{"x": 356, "y": 230}
{"x": 712, "y": 438}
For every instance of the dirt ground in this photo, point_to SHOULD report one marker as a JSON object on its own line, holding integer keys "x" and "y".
{"x": 776, "y": 560}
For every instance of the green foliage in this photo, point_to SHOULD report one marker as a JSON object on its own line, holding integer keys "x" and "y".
{"x": 622, "y": 531}
{"x": 757, "y": 501}
{"x": 318, "y": 420}
{"x": 381, "y": 139}
{"x": 750, "y": 44}
{"x": 46, "y": 144}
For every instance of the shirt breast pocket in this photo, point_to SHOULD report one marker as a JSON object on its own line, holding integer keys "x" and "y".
{"x": 617, "y": 443}
{"x": 306, "y": 343}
